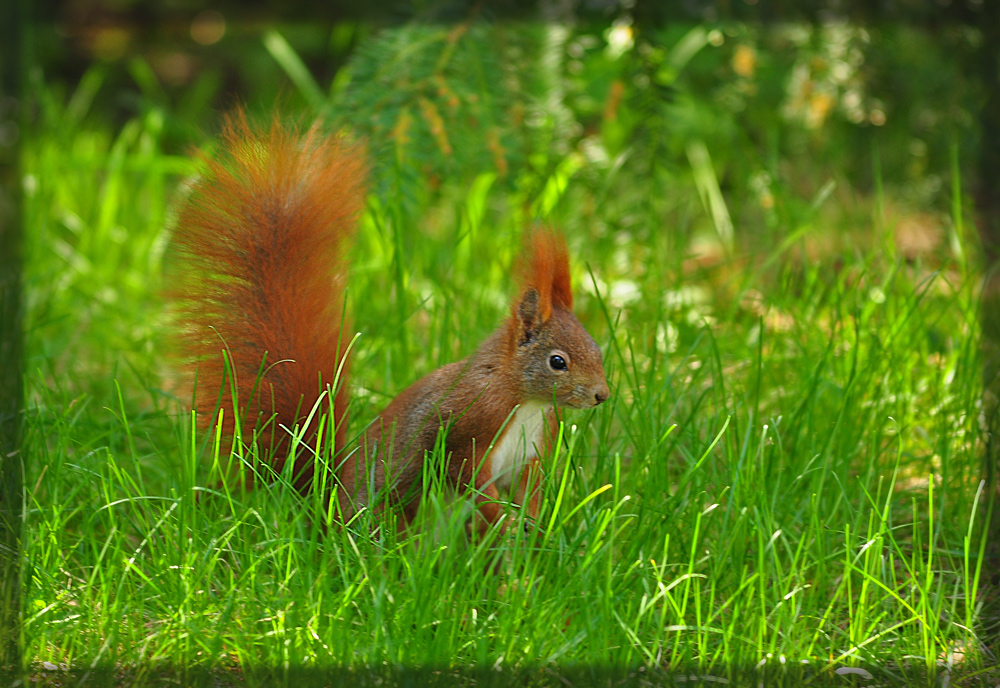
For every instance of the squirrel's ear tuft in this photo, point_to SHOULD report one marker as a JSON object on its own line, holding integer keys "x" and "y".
{"x": 545, "y": 268}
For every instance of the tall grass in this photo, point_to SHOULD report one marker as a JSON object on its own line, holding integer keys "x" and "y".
{"x": 785, "y": 481}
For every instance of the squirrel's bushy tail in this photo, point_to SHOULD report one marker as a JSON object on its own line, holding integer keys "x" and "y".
{"x": 262, "y": 241}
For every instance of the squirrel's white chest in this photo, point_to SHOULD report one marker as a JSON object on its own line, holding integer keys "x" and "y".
{"x": 520, "y": 442}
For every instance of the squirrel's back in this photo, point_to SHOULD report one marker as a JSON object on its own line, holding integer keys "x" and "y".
{"x": 263, "y": 235}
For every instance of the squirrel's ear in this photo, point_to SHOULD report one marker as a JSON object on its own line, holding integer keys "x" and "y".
{"x": 544, "y": 265}
{"x": 529, "y": 316}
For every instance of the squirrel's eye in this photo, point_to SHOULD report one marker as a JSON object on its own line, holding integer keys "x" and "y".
{"x": 557, "y": 362}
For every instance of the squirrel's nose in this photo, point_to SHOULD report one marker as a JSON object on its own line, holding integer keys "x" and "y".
{"x": 601, "y": 395}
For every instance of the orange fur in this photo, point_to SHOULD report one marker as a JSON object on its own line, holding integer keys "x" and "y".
{"x": 263, "y": 236}
{"x": 546, "y": 268}
{"x": 262, "y": 241}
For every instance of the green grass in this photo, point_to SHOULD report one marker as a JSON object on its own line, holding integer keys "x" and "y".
{"x": 786, "y": 477}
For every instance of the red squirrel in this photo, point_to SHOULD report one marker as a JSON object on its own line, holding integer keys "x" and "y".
{"x": 262, "y": 239}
